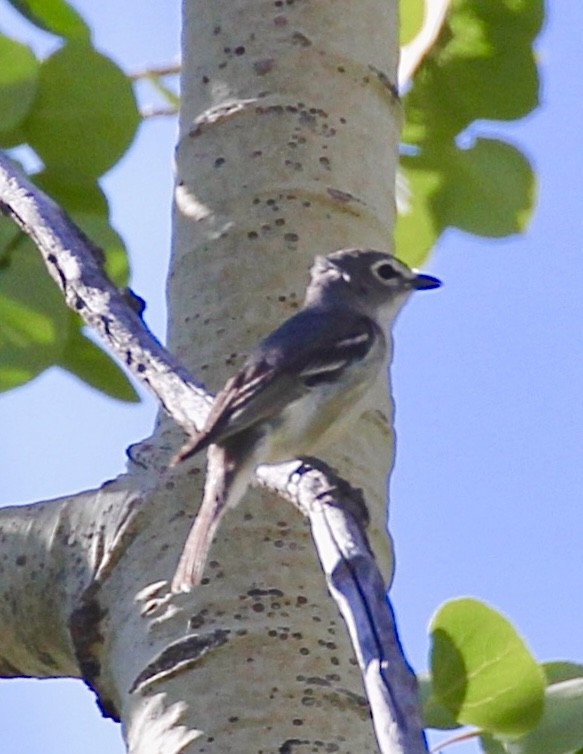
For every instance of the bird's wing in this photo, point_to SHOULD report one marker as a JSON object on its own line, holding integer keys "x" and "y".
{"x": 253, "y": 394}
{"x": 289, "y": 363}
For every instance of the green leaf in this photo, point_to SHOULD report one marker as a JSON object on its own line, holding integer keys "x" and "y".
{"x": 491, "y": 745}
{"x": 18, "y": 82}
{"x": 72, "y": 192}
{"x": 418, "y": 225}
{"x": 410, "y": 19}
{"x": 560, "y": 730}
{"x": 488, "y": 189}
{"x": 109, "y": 241}
{"x": 87, "y": 361}
{"x": 33, "y": 328}
{"x": 558, "y": 671}
{"x": 55, "y": 16}
{"x": 9, "y": 234}
{"x": 31, "y": 342}
{"x": 435, "y": 715}
{"x": 481, "y": 41}
{"x": 482, "y": 671}
{"x": 85, "y": 113}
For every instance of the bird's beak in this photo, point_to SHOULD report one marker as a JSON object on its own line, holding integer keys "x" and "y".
{"x": 425, "y": 282}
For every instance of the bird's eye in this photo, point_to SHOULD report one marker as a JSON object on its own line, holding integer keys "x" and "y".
{"x": 385, "y": 271}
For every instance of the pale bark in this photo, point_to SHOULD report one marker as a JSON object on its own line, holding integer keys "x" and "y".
{"x": 287, "y": 148}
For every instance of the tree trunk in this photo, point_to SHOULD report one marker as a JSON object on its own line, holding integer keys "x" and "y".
{"x": 287, "y": 149}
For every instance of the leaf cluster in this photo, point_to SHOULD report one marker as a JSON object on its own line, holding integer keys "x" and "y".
{"x": 74, "y": 114}
{"x": 483, "y": 675}
{"x": 480, "y": 73}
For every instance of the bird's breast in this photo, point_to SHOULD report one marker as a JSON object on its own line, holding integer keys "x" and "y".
{"x": 322, "y": 415}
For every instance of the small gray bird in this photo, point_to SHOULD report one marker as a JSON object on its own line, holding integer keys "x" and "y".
{"x": 301, "y": 387}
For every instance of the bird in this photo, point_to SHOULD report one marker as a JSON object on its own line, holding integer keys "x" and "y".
{"x": 302, "y": 386}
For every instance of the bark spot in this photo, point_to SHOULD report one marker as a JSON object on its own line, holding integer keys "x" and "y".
{"x": 178, "y": 657}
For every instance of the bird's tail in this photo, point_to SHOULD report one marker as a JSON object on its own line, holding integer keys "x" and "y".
{"x": 226, "y": 481}
{"x": 195, "y": 553}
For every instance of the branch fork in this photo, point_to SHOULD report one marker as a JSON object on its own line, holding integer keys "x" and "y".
{"x": 336, "y": 511}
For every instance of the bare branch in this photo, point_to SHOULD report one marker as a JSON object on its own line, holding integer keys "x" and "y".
{"x": 171, "y": 69}
{"x": 75, "y": 264}
{"x": 412, "y": 54}
{"x": 338, "y": 514}
{"x": 158, "y": 112}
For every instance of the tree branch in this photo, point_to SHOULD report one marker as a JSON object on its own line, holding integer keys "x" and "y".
{"x": 76, "y": 265}
{"x": 412, "y": 54}
{"x": 338, "y": 515}
{"x": 156, "y": 71}
{"x": 336, "y": 511}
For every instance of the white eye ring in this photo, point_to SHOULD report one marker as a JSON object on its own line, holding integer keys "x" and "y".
{"x": 384, "y": 271}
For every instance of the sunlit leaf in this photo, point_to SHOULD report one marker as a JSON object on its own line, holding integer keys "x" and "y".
{"x": 482, "y": 671}
{"x": 410, "y": 19}
{"x": 481, "y": 68}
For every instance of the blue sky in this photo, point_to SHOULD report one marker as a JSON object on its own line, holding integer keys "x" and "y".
{"x": 486, "y": 495}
